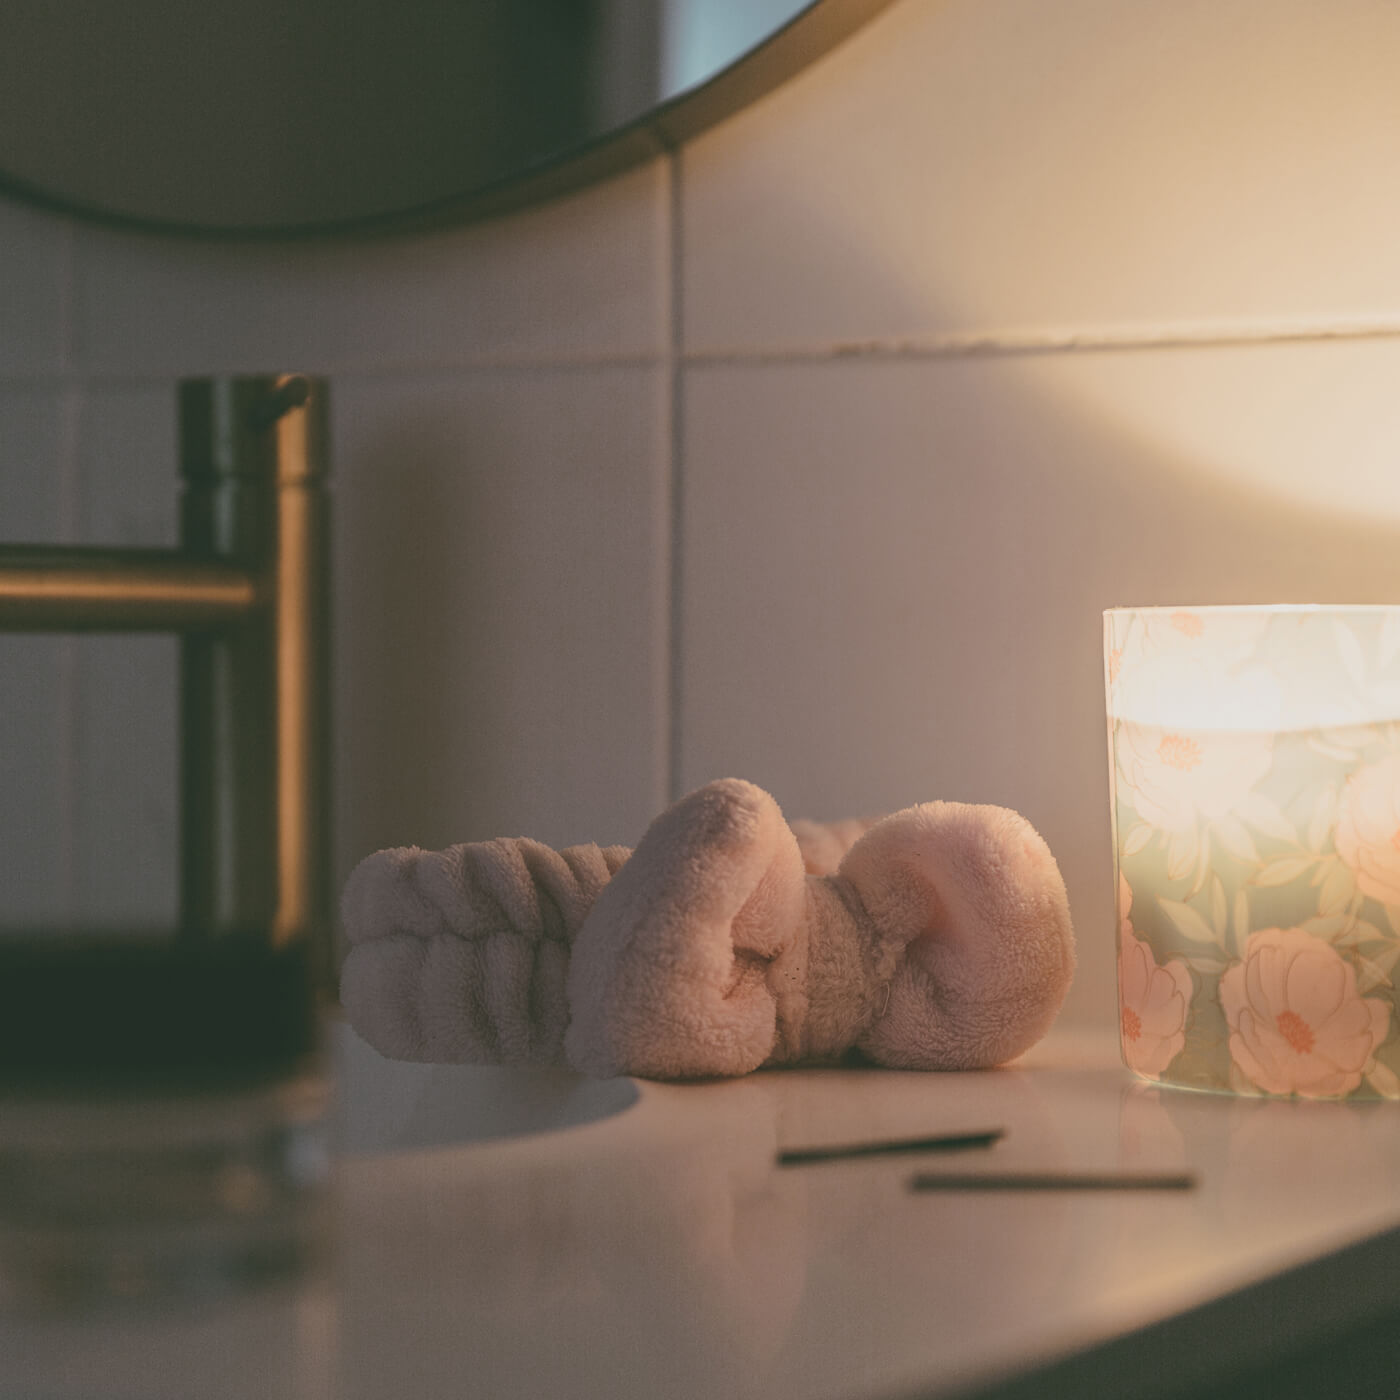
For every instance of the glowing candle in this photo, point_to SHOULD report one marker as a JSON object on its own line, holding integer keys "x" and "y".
{"x": 1254, "y": 761}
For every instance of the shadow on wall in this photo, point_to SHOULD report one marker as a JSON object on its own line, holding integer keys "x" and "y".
{"x": 894, "y": 570}
{"x": 927, "y": 540}
{"x": 929, "y": 543}
{"x": 894, "y": 575}
{"x": 496, "y": 558}
{"x": 395, "y": 582}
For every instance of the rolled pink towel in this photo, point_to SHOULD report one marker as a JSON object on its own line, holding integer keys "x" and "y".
{"x": 460, "y": 956}
{"x": 942, "y": 940}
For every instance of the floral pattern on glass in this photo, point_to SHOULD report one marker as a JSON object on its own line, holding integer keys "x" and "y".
{"x": 1298, "y": 1025}
{"x": 1255, "y": 765}
{"x": 1152, "y": 1000}
{"x": 1368, "y": 829}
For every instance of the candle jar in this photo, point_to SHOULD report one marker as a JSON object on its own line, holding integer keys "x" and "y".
{"x": 1254, "y": 762}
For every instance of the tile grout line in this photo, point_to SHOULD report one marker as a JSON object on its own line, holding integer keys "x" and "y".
{"x": 584, "y": 362}
{"x": 675, "y": 659}
{"x": 67, "y": 300}
{"x": 68, "y": 658}
{"x": 1014, "y": 342}
{"x": 1008, "y": 342}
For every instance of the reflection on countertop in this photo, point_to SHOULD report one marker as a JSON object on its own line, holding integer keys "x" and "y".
{"x": 396, "y": 1106}
{"x": 640, "y": 1240}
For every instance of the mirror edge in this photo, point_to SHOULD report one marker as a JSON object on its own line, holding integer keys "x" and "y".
{"x": 808, "y": 36}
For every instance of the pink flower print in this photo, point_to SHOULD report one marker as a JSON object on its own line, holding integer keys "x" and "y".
{"x": 1368, "y": 829}
{"x": 1152, "y": 1005}
{"x": 1298, "y": 1025}
{"x": 1175, "y": 779}
{"x": 1189, "y": 624}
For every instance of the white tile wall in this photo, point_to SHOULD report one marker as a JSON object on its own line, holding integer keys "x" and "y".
{"x": 119, "y": 703}
{"x": 35, "y": 278}
{"x": 128, "y": 464}
{"x": 579, "y": 278}
{"x": 124, "y": 792}
{"x": 972, "y": 167}
{"x": 36, "y": 759}
{"x": 894, "y": 570}
{"x": 909, "y": 487}
{"x": 1000, "y": 314}
{"x": 500, "y": 459}
{"x": 501, "y": 624}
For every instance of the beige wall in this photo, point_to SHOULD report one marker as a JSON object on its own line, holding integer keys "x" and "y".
{"x": 810, "y": 455}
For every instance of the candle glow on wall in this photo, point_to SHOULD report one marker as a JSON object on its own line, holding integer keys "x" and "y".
{"x": 1254, "y": 757}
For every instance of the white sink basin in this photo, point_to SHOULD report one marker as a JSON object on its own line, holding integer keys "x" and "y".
{"x": 392, "y": 1105}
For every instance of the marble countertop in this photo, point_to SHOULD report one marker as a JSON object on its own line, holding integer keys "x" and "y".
{"x": 619, "y": 1240}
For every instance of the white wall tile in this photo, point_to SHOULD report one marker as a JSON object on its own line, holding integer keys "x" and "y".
{"x": 36, "y": 860}
{"x": 129, "y": 465}
{"x": 125, "y": 809}
{"x": 581, "y": 276}
{"x": 965, "y": 167}
{"x": 35, "y": 271}
{"x": 893, "y": 573}
{"x": 35, "y": 489}
{"x": 500, "y": 620}
{"x": 126, "y": 714}
{"x": 35, "y": 765}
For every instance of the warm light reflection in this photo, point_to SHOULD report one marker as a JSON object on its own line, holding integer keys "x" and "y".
{"x": 1311, "y": 424}
{"x": 1255, "y": 769}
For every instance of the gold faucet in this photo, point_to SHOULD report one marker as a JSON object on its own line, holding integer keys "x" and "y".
{"x": 247, "y": 589}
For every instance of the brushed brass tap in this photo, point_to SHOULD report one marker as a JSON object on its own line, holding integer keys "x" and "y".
{"x": 248, "y": 592}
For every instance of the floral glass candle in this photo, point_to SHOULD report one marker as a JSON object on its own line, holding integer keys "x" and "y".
{"x": 1254, "y": 760}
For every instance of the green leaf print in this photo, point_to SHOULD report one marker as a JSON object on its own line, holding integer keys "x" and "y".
{"x": 1283, "y": 872}
{"x": 1188, "y": 923}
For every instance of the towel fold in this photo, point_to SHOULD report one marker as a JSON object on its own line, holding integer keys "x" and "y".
{"x": 460, "y": 956}
{"x": 941, "y": 939}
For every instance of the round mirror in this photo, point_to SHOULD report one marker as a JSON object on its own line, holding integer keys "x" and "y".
{"x": 254, "y": 117}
